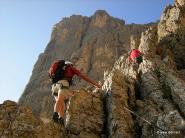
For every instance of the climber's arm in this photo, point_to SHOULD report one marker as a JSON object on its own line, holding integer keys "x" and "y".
{"x": 86, "y": 78}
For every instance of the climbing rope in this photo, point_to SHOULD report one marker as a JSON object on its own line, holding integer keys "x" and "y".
{"x": 144, "y": 119}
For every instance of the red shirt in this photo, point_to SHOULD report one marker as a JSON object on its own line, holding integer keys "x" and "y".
{"x": 135, "y": 53}
{"x": 70, "y": 71}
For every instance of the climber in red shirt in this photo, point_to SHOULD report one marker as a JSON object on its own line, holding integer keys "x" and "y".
{"x": 136, "y": 56}
{"x": 61, "y": 83}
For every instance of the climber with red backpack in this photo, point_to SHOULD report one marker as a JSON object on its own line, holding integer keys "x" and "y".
{"x": 61, "y": 73}
{"x": 135, "y": 57}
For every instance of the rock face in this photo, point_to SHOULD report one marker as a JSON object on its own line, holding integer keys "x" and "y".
{"x": 155, "y": 95}
{"x": 157, "y": 88}
{"x": 145, "y": 102}
{"x": 18, "y": 121}
{"x": 84, "y": 119}
{"x": 85, "y": 116}
{"x": 171, "y": 30}
{"x": 96, "y": 42}
{"x": 118, "y": 95}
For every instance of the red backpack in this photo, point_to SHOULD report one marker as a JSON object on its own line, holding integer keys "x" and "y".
{"x": 56, "y": 71}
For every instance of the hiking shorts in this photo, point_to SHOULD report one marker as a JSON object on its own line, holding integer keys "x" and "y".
{"x": 60, "y": 88}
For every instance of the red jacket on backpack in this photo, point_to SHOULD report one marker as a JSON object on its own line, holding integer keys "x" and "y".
{"x": 135, "y": 53}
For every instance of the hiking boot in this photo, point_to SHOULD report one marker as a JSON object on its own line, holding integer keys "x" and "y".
{"x": 61, "y": 121}
{"x": 55, "y": 117}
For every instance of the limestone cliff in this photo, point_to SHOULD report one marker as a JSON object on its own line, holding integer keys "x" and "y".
{"x": 96, "y": 42}
{"x": 148, "y": 102}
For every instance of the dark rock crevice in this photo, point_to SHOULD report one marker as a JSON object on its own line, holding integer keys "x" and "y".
{"x": 107, "y": 114}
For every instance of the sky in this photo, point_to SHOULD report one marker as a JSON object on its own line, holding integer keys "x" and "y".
{"x": 26, "y": 25}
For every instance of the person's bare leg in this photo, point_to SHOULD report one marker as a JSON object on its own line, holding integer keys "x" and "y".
{"x": 56, "y": 106}
{"x": 55, "y": 114}
{"x": 60, "y": 105}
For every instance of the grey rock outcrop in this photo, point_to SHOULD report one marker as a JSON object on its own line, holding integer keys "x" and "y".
{"x": 171, "y": 32}
{"x": 155, "y": 93}
{"x": 157, "y": 87}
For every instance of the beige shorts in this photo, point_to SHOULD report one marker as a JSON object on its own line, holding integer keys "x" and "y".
{"x": 58, "y": 89}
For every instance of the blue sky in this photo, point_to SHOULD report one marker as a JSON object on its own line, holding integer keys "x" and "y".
{"x": 25, "y": 29}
